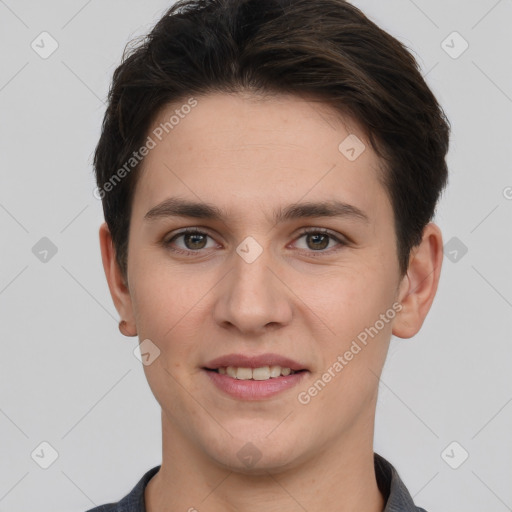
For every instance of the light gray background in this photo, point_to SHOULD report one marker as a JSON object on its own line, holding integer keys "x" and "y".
{"x": 68, "y": 377}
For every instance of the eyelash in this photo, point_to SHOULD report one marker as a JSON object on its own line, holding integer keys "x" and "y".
{"x": 195, "y": 231}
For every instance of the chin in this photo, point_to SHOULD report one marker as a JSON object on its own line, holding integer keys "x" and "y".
{"x": 259, "y": 456}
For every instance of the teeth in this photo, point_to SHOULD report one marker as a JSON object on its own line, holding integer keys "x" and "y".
{"x": 275, "y": 371}
{"x": 244, "y": 373}
{"x": 262, "y": 373}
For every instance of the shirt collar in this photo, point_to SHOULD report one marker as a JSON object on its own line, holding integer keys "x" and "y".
{"x": 393, "y": 489}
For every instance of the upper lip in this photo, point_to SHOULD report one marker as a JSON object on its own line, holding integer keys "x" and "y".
{"x": 258, "y": 361}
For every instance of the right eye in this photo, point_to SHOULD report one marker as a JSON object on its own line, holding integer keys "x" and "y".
{"x": 193, "y": 239}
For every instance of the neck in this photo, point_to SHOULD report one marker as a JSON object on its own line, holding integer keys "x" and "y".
{"x": 340, "y": 477}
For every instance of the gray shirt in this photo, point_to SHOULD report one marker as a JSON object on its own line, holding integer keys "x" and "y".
{"x": 390, "y": 485}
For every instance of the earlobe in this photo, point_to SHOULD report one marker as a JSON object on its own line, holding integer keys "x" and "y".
{"x": 116, "y": 284}
{"x": 419, "y": 286}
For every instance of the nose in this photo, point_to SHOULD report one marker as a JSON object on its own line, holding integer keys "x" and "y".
{"x": 252, "y": 299}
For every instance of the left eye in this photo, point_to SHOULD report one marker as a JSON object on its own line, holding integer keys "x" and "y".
{"x": 319, "y": 239}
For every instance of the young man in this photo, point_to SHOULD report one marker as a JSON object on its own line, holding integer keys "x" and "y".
{"x": 269, "y": 170}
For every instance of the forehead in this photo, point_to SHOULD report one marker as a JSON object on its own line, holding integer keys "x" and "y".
{"x": 244, "y": 150}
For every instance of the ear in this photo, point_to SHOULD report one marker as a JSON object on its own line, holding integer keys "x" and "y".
{"x": 418, "y": 287}
{"x": 118, "y": 289}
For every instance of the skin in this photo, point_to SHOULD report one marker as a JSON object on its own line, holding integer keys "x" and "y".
{"x": 304, "y": 297}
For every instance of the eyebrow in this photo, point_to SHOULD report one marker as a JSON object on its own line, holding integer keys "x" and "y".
{"x": 177, "y": 207}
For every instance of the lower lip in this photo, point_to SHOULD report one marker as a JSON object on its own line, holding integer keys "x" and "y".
{"x": 254, "y": 389}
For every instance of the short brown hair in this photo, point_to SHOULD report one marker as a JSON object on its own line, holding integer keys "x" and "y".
{"x": 325, "y": 49}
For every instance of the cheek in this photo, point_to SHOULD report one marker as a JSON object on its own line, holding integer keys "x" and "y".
{"x": 167, "y": 315}
{"x": 165, "y": 304}
{"x": 357, "y": 306}
{"x": 356, "y": 293}
{"x": 360, "y": 314}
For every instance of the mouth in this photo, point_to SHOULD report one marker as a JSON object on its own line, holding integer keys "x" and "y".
{"x": 254, "y": 377}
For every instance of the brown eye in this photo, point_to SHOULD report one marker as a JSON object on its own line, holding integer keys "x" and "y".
{"x": 193, "y": 241}
{"x": 318, "y": 240}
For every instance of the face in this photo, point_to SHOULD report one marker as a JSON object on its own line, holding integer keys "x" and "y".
{"x": 270, "y": 280}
